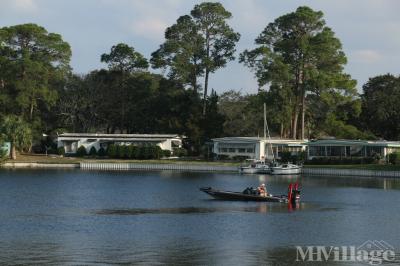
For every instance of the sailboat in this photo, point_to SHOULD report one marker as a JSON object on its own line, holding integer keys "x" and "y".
{"x": 255, "y": 167}
{"x": 275, "y": 167}
{"x": 258, "y": 166}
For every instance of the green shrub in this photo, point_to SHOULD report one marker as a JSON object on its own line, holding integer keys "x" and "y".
{"x": 157, "y": 152}
{"x": 102, "y": 152}
{"x": 223, "y": 157}
{"x": 61, "y": 151}
{"x": 112, "y": 151}
{"x": 3, "y": 152}
{"x": 286, "y": 156}
{"x": 146, "y": 152}
{"x": 81, "y": 151}
{"x": 340, "y": 160}
{"x": 393, "y": 157}
{"x": 166, "y": 153}
{"x": 93, "y": 151}
{"x": 240, "y": 158}
{"x": 180, "y": 152}
{"x": 139, "y": 152}
{"x": 121, "y": 151}
{"x": 129, "y": 152}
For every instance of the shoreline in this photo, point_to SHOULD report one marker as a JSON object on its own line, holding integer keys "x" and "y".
{"x": 196, "y": 167}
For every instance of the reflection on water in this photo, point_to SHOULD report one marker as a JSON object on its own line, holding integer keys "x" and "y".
{"x": 260, "y": 208}
{"x": 147, "y": 218}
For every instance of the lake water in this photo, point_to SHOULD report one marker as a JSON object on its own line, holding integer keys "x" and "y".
{"x": 81, "y": 217}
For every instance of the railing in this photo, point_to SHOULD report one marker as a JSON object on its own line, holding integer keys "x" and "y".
{"x": 349, "y": 172}
{"x": 153, "y": 166}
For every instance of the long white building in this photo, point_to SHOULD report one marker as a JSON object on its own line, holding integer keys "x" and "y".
{"x": 72, "y": 141}
{"x": 261, "y": 148}
{"x": 256, "y": 147}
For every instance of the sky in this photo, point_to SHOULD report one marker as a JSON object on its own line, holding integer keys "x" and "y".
{"x": 368, "y": 29}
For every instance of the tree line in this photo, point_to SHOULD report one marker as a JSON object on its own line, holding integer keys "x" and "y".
{"x": 297, "y": 60}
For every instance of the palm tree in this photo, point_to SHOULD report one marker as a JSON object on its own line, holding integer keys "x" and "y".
{"x": 17, "y": 131}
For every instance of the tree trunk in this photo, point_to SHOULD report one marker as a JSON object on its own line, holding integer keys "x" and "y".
{"x": 294, "y": 123}
{"x": 303, "y": 112}
{"x": 31, "y": 111}
{"x": 13, "y": 152}
{"x": 207, "y": 70}
{"x": 205, "y": 93}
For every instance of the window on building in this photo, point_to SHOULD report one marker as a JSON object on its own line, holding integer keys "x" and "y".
{"x": 357, "y": 151}
{"x": 223, "y": 150}
{"x": 250, "y": 150}
{"x": 374, "y": 150}
{"x": 335, "y": 151}
{"x": 242, "y": 150}
{"x": 316, "y": 150}
{"x": 232, "y": 150}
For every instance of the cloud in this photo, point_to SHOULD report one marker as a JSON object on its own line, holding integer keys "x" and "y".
{"x": 152, "y": 17}
{"x": 26, "y": 6}
{"x": 151, "y": 28}
{"x": 367, "y": 56}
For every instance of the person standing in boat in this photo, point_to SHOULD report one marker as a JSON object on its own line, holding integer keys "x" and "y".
{"x": 262, "y": 190}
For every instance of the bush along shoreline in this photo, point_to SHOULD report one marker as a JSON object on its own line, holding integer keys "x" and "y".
{"x": 113, "y": 151}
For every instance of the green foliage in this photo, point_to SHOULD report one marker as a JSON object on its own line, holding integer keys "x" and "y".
{"x": 102, "y": 152}
{"x": 2, "y": 151}
{"x": 340, "y": 130}
{"x": 93, "y": 152}
{"x": 61, "y": 151}
{"x": 18, "y": 132}
{"x": 112, "y": 150}
{"x": 340, "y": 160}
{"x": 166, "y": 153}
{"x": 125, "y": 59}
{"x": 134, "y": 152}
{"x": 394, "y": 158}
{"x": 182, "y": 52}
{"x": 121, "y": 151}
{"x": 380, "y": 106}
{"x": 200, "y": 43}
{"x": 81, "y": 152}
{"x": 180, "y": 152}
{"x": 219, "y": 38}
{"x": 297, "y": 55}
{"x": 34, "y": 62}
{"x": 240, "y": 158}
{"x": 287, "y": 156}
{"x": 130, "y": 152}
{"x": 223, "y": 157}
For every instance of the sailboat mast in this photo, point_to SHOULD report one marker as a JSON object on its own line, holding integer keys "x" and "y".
{"x": 266, "y": 129}
{"x": 265, "y": 121}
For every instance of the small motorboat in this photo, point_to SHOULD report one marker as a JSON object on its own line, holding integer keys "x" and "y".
{"x": 250, "y": 194}
{"x": 285, "y": 169}
{"x": 255, "y": 167}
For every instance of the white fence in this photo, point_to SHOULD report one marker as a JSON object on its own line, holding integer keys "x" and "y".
{"x": 349, "y": 172}
{"x": 151, "y": 166}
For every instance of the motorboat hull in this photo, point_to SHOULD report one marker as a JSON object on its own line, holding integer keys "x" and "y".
{"x": 254, "y": 170}
{"x": 229, "y": 195}
{"x": 285, "y": 171}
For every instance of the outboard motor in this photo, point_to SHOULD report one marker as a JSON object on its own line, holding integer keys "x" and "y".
{"x": 293, "y": 193}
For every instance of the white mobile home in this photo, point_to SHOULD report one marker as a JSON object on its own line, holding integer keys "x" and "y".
{"x": 72, "y": 141}
{"x": 256, "y": 147}
{"x": 350, "y": 148}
